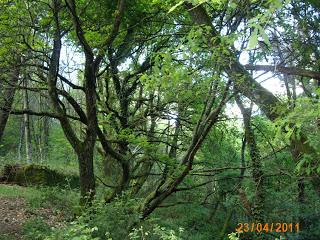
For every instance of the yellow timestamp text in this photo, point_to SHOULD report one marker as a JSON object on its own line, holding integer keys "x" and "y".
{"x": 268, "y": 227}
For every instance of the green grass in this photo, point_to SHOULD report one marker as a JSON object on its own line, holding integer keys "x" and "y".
{"x": 37, "y": 197}
{"x": 29, "y": 193}
{"x": 7, "y": 237}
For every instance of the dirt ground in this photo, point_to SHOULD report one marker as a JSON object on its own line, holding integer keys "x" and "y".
{"x": 14, "y": 213}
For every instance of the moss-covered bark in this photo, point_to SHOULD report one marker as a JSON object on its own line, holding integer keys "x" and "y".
{"x": 26, "y": 175}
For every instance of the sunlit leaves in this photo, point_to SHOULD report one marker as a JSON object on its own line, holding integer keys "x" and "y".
{"x": 259, "y": 22}
{"x": 301, "y": 124}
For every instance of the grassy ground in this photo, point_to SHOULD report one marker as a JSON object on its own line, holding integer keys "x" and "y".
{"x": 14, "y": 191}
{"x": 41, "y": 196}
{"x": 26, "y": 210}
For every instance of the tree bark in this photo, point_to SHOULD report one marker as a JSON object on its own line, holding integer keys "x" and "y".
{"x": 26, "y": 119}
{"x": 45, "y": 137}
{"x": 7, "y": 101}
{"x": 257, "y": 173}
{"x": 285, "y": 70}
{"x": 43, "y": 130}
{"x": 21, "y": 137}
{"x": 87, "y": 180}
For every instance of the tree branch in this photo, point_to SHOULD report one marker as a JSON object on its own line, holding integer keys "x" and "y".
{"x": 285, "y": 70}
{"x": 30, "y": 112}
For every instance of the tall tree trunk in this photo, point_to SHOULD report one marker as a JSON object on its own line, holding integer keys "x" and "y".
{"x": 43, "y": 131}
{"x": 257, "y": 173}
{"x": 21, "y": 137}
{"x": 84, "y": 149}
{"x": 7, "y": 101}
{"x": 26, "y": 117}
{"x": 45, "y": 137}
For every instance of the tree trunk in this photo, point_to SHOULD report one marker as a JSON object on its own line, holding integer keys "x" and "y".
{"x": 21, "y": 137}
{"x": 27, "y": 132}
{"x": 45, "y": 137}
{"x": 83, "y": 149}
{"x": 8, "y": 97}
{"x": 87, "y": 182}
{"x": 257, "y": 173}
{"x": 43, "y": 131}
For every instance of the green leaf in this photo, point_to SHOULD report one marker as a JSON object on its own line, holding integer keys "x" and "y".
{"x": 265, "y": 37}
{"x": 300, "y": 164}
{"x": 253, "y": 41}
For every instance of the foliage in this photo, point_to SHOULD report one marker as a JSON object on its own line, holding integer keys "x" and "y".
{"x": 35, "y": 229}
{"x": 113, "y": 221}
{"x": 301, "y": 123}
{"x": 134, "y": 97}
{"x": 233, "y": 236}
{"x": 156, "y": 233}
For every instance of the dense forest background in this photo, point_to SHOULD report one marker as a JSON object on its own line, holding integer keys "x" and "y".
{"x": 150, "y": 119}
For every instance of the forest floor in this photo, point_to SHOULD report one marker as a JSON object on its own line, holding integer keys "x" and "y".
{"x": 13, "y": 215}
{"x": 26, "y": 209}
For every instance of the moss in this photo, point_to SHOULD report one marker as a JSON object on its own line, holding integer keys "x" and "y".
{"x": 37, "y": 175}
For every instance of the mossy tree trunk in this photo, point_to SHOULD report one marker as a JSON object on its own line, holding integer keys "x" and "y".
{"x": 86, "y": 172}
{"x": 257, "y": 173}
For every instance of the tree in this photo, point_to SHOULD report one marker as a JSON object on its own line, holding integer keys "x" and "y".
{"x": 150, "y": 86}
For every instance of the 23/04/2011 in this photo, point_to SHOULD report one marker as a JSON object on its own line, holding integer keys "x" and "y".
{"x": 266, "y": 227}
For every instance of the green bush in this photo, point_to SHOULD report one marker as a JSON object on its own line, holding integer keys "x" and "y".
{"x": 113, "y": 221}
{"x": 35, "y": 229}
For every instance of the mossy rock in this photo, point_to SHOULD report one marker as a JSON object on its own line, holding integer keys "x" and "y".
{"x": 26, "y": 175}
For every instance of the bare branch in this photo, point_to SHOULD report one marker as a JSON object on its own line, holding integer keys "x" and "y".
{"x": 285, "y": 70}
